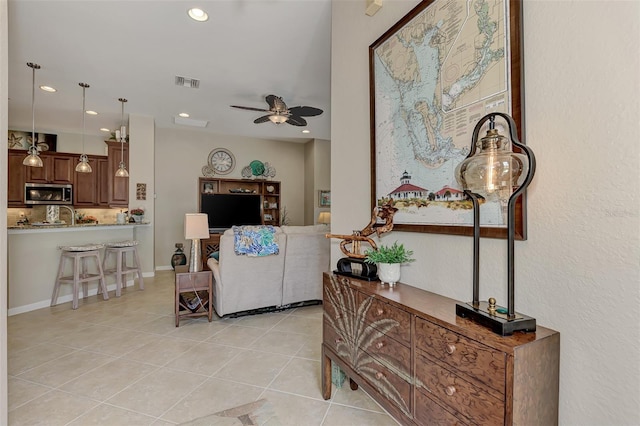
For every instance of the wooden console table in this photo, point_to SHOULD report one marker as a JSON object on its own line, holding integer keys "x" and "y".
{"x": 407, "y": 348}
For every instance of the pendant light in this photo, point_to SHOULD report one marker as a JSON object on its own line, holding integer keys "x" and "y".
{"x": 83, "y": 166}
{"x": 33, "y": 159}
{"x": 122, "y": 168}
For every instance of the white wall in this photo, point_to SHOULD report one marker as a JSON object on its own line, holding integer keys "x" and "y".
{"x": 317, "y": 172}
{"x": 578, "y": 273}
{"x": 179, "y": 158}
{"x": 4, "y": 113}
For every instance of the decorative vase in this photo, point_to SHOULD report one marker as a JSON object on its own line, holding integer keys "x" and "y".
{"x": 137, "y": 218}
{"x": 389, "y": 273}
{"x": 178, "y": 257}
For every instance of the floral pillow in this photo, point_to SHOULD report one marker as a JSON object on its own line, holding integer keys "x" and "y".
{"x": 255, "y": 241}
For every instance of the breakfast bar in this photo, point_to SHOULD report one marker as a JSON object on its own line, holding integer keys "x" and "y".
{"x": 33, "y": 257}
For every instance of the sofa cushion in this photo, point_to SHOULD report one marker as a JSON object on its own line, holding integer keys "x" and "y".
{"x": 311, "y": 229}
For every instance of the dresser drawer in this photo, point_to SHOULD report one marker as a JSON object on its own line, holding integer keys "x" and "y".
{"x": 380, "y": 311}
{"x": 475, "y": 359}
{"x": 338, "y": 340}
{"x": 472, "y": 401}
{"x": 429, "y": 412}
{"x": 385, "y": 381}
{"x": 389, "y": 352}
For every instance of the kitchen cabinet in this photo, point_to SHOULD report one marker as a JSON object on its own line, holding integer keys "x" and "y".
{"x": 118, "y": 187}
{"x": 91, "y": 189}
{"x": 16, "y": 178}
{"x": 57, "y": 167}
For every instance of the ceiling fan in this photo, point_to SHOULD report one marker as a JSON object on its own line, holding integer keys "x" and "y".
{"x": 278, "y": 112}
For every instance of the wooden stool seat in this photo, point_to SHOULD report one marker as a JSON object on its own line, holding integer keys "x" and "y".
{"x": 79, "y": 256}
{"x": 120, "y": 249}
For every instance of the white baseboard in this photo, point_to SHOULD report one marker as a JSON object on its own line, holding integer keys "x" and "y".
{"x": 164, "y": 268}
{"x": 62, "y": 299}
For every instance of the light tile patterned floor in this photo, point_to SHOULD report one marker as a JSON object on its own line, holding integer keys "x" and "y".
{"x": 123, "y": 362}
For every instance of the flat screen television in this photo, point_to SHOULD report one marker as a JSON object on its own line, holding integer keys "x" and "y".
{"x": 227, "y": 210}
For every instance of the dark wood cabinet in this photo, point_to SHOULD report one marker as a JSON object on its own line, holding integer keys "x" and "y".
{"x": 57, "y": 167}
{"x": 91, "y": 189}
{"x": 426, "y": 366}
{"x": 118, "y": 187}
{"x": 16, "y": 178}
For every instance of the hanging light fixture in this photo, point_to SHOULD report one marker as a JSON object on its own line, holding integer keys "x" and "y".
{"x": 83, "y": 166}
{"x": 122, "y": 168}
{"x": 33, "y": 159}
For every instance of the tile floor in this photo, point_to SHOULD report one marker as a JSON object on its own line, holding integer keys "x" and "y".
{"x": 123, "y": 362}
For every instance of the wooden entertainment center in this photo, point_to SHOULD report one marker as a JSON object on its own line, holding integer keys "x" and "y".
{"x": 407, "y": 348}
{"x": 268, "y": 190}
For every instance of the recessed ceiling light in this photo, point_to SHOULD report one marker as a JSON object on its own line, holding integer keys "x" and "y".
{"x": 306, "y": 131}
{"x": 184, "y": 115}
{"x": 198, "y": 14}
{"x": 48, "y": 89}
{"x": 92, "y": 113}
{"x": 104, "y": 129}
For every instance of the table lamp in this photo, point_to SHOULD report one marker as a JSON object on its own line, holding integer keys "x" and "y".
{"x": 196, "y": 226}
{"x": 324, "y": 218}
{"x": 494, "y": 172}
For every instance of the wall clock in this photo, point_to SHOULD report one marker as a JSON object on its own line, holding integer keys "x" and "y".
{"x": 222, "y": 161}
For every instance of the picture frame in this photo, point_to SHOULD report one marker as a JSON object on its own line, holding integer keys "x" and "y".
{"x": 324, "y": 198}
{"x": 432, "y": 76}
{"x": 18, "y": 139}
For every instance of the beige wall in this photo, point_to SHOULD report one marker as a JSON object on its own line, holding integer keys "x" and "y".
{"x": 4, "y": 88}
{"x": 179, "y": 158}
{"x": 578, "y": 272}
{"x": 317, "y": 176}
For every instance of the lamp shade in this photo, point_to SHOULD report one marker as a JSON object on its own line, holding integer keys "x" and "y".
{"x": 196, "y": 226}
{"x": 324, "y": 217}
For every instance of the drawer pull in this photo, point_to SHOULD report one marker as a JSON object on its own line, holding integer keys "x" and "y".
{"x": 338, "y": 316}
{"x": 450, "y": 390}
{"x": 338, "y": 340}
{"x": 451, "y": 348}
{"x": 379, "y": 375}
{"x": 379, "y": 345}
{"x": 379, "y": 311}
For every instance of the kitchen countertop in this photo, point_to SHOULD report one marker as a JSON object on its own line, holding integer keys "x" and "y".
{"x": 60, "y": 227}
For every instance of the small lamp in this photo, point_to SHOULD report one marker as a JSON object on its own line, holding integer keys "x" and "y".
{"x": 122, "y": 135}
{"x": 492, "y": 170}
{"x": 324, "y": 218}
{"x": 196, "y": 226}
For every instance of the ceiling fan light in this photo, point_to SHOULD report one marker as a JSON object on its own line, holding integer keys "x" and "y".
{"x": 277, "y": 118}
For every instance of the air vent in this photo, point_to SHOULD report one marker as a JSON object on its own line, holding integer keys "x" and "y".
{"x": 187, "y": 82}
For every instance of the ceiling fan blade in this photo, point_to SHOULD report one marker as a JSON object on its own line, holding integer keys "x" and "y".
{"x": 305, "y": 111}
{"x": 250, "y": 108}
{"x": 296, "y": 121}
{"x": 262, "y": 119}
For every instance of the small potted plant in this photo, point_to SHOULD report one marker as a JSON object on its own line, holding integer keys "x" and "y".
{"x": 389, "y": 259}
{"x": 137, "y": 214}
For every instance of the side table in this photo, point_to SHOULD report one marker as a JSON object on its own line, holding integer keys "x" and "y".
{"x": 193, "y": 282}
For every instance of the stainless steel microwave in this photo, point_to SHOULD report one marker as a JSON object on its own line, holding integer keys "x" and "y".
{"x": 47, "y": 193}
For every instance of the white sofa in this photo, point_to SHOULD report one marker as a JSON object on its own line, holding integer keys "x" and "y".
{"x": 243, "y": 283}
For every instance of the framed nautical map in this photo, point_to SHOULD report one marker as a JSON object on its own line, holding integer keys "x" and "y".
{"x": 433, "y": 76}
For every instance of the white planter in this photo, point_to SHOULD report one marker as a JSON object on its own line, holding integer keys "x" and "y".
{"x": 389, "y": 273}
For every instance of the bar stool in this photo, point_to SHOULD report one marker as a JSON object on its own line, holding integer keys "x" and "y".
{"x": 121, "y": 269}
{"x": 79, "y": 256}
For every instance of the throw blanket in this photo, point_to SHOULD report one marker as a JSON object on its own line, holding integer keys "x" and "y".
{"x": 255, "y": 240}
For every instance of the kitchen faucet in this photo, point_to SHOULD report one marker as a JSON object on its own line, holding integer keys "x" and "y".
{"x": 73, "y": 214}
